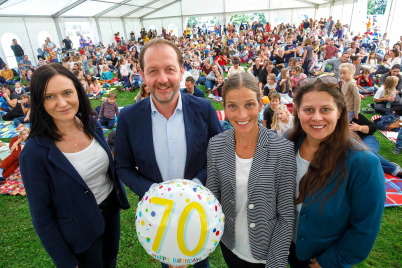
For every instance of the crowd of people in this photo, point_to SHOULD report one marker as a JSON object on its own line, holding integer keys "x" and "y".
{"x": 280, "y": 185}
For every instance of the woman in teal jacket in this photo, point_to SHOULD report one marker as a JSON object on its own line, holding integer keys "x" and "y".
{"x": 340, "y": 190}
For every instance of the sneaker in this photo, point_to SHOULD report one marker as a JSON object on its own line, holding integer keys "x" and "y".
{"x": 397, "y": 150}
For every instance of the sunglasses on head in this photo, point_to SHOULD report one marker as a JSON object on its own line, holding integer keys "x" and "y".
{"x": 323, "y": 79}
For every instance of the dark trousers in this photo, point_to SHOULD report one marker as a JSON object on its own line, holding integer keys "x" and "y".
{"x": 294, "y": 262}
{"x": 233, "y": 261}
{"x": 103, "y": 252}
{"x": 14, "y": 113}
{"x": 108, "y": 123}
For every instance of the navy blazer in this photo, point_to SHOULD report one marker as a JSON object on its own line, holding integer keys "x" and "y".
{"x": 64, "y": 211}
{"x": 134, "y": 145}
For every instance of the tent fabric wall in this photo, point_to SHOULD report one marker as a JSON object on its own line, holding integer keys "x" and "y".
{"x": 191, "y": 8}
{"x": 133, "y": 25}
{"x": 170, "y": 11}
{"x": 107, "y": 31}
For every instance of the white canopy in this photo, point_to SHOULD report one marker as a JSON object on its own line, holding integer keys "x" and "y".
{"x": 29, "y": 21}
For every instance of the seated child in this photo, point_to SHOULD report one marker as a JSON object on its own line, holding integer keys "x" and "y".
{"x": 275, "y": 99}
{"x": 217, "y": 90}
{"x": 10, "y": 163}
{"x": 365, "y": 82}
{"x": 271, "y": 84}
{"x": 297, "y": 75}
{"x": 106, "y": 75}
{"x": 25, "y": 106}
{"x": 135, "y": 77}
{"x": 19, "y": 89}
{"x": 95, "y": 90}
{"x": 282, "y": 121}
{"x": 108, "y": 111}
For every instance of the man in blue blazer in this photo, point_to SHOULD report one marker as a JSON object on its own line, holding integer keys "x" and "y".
{"x": 165, "y": 136}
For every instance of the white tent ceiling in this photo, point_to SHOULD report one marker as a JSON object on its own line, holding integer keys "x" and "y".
{"x": 141, "y": 9}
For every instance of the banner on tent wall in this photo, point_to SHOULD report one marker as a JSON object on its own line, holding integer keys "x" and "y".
{"x": 376, "y": 7}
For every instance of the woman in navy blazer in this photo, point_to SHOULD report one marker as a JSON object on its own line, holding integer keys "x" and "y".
{"x": 340, "y": 191}
{"x": 68, "y": 173}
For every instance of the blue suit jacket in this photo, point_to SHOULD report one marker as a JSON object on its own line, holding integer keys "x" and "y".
{"x": 134, "y": 145}
{"x": 344, "y": 231}
{"x": 64, "y": 211}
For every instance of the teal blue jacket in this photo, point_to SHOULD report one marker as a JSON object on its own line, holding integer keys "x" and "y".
{"x": 344, "y": 231}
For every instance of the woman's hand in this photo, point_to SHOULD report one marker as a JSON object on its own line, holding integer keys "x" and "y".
{"x": 15, "y": 146}
{"x": 314, "y": 264}
{"x": 354, "y": 127}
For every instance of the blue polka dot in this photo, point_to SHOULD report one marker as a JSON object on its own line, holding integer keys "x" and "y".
{"x": 153, "y": 213}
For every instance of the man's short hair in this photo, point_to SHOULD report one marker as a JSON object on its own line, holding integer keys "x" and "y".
{"x": 160, "y": 42}
{"x": 190, "y": 79}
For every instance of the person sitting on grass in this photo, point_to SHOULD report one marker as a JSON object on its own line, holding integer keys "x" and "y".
{"x": 275, "y": 99}
{"x": 191, "y": 88}
{"x": 109, "y": 109}
{"x": 26, "y": 108}
{"x": 365, "y": 82}
{"x": 143, "y": 93}
{"x": 7, "y": 74}
{"x": 10, "y": 163}
{"x": 106, "y": 76}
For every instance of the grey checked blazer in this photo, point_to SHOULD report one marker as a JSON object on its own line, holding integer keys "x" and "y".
{"x": 270, "y": 193}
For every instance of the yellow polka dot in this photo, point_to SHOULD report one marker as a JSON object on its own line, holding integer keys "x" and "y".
{"x": 142, "y": 223}
{"x": 187, "y": 200}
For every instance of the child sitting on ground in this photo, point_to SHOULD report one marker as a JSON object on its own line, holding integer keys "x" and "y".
{"x": 10, "y": 163}
{"x": 349, "y": 90}
{"x": 275, "y": 100}
{"x": 365, "y": 83}
{"x": 135, "y": 78}
{"x": 108, "y": 111}
{"x": 284, "y": 87}
{"x": 25, "y": 106}
{"x": 282, "y": 121}
{"x": 297, "y": 75}
{"x": 271, "y": 84}
{"x": 217, "y": 90}
{"x": 19, "y": 89}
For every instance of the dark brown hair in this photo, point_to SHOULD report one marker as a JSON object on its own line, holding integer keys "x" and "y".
{"x": 324, "y": 165}
{"x": 238, "y": 81}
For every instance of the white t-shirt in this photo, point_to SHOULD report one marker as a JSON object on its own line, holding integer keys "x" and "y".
{"x": 285, "y": 127}
{"x": 242, "y": 242}
{"x": 381, "y": 92}
{"x": 92, "y": 164}
{"x": 302, "y": 167}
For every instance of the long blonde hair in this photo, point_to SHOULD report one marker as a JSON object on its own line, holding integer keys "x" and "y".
{"x": 389, "y": 85}
{"x": 275, "y": 119}
{"x": 283, "y": 76}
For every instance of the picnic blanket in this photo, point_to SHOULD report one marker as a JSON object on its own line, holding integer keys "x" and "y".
{"x": 391, "y": 135}
{"x": 13, "y": 184}
{"x": 393, "y": 189}
{"x": 7, "y": 129}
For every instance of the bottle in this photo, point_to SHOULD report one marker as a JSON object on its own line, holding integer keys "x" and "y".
{"x": 388, "y": 105}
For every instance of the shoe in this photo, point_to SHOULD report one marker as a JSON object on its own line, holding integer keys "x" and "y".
{"x": 397, "y": 150}
{"x": 120, "y": 89}
{"x": 2, "y": 179}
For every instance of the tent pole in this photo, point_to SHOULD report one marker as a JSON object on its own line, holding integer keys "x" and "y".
{"x": 58, "y": 30}
{"x": 389, "y": 14}
{"x": 99, "y": 29}
{"x": 353, "y": 9}
{"x": 30, "y": 43}
{"x": 124, "y": 28}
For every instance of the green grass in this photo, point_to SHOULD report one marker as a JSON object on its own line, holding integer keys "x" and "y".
{"x": 20, "y": 246}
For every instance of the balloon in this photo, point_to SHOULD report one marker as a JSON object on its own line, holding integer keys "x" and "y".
{"x": 179, "y": 222}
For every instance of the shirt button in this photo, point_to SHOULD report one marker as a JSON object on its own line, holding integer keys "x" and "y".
{"x": 251, "y": 206}
{"x": 252, "y": 225}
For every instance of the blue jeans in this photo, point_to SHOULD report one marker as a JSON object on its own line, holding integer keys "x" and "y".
{"x": 19, "y": 59}
{"x": 109, "y": 123}
{"x": 201, "y": 264}
{"x": 371, "y": 142}
{"x": 202, "y": 79}
{"x": 19, "y": 120}
{"x": 209, "y": 84}
{"x": 399, "y": 139}
{"x": 369, "y": 90}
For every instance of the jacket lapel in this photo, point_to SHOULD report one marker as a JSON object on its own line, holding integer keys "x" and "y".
{"x": 259, "y": 158}
{"x": 188, "y": 116}
{"x": 146, "y": 123}
{"x": 57, "y": 158}
{"x": 229, "y": 160}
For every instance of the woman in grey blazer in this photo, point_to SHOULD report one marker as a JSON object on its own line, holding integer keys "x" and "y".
{"x": 251, "y": 171}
